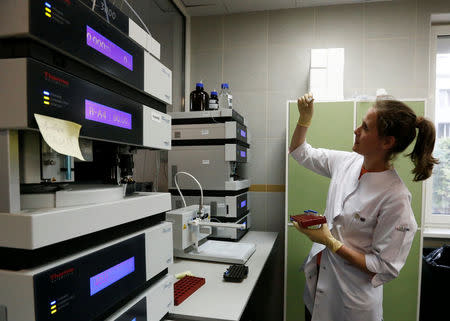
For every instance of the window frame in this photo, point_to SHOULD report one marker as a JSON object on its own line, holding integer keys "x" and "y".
{"x": 429, "y": 220}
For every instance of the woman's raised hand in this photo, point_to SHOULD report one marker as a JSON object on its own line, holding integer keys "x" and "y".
{"x": 305, "y": 107}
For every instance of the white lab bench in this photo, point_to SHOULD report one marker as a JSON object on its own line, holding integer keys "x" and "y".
{"x": 217, "y": 299}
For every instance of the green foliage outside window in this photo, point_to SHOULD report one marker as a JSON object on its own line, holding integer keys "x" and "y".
{"x": 441, "y": 177}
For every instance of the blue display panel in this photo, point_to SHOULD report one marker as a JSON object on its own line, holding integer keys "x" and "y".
{"x": 108, "y": 48}
{"x": 243, "y": 154}
{"x": 87, "y": 287}
{"x": 243, "y": 203}
{"x": 243, "y": 133}
{"x": 107, "y": 115}
{"x": 106, "y": 278}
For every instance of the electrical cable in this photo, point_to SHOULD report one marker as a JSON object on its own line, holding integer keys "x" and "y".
{"x": 106, "y": 8}
{"x": 131, "y": 8}
{"x": 181, "y": 194}
{"x": 106, "y": 11}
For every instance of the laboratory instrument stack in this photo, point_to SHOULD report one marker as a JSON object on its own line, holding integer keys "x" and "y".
{"x": 79, "y": 97}
{"x": 212, "y": 146}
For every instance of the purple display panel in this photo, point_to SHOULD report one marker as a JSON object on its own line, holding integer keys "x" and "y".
{"x": 243, "y": 203}
{"x": 242, "y": 154}
{"x": 108, "y": 48}
{"x": 243, "y": 133}
{"x": 106, "y": 115}
{"x": 111, "y": 275}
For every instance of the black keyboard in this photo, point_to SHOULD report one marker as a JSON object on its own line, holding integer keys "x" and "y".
{"x": 235, "y": 273}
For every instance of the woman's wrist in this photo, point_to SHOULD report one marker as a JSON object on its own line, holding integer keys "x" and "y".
{"x": 304, "y": 122}
{"x": 333, "y": 244}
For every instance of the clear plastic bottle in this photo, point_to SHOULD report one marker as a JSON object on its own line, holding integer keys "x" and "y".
{"x": 225, "y": 97}
{"x": 199, "y": 99}
{"x": 213, "y": 101}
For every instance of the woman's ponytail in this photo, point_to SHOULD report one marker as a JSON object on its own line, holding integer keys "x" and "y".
{"x": 422, "y": 153}
{"x": 394, "y": 118}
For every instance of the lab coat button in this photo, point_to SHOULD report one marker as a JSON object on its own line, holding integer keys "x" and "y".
{"x": 323, "y": 267}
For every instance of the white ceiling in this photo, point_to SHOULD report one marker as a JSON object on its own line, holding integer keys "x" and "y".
{"x": 219, "y": 7}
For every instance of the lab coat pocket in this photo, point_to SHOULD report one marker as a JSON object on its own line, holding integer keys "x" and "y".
{"x": 356, "y": 216}
{"x": 361, "y": 219}
{"x": 359, "y": 229}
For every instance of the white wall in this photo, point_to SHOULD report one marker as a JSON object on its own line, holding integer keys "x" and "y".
{"x": 265, "y": 57}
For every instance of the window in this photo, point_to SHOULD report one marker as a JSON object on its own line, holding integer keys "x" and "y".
{"x": 443, "y": 130}
{"x": 444, "y": 98}
{"x": 438, "y": 188}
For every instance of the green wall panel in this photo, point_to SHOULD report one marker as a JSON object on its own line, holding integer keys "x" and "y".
{"x": 332, "y": 127}
{"x": 298, "y": 248}
{"x": 400, "y": 295}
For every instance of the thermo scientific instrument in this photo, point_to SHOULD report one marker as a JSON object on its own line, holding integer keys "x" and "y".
{"x": 230, "y": 206}
{"x": 30, "y": 87}
{"x": 214, "y": 147}
{"x": 207, "y": 116}
{"x": 43, "y": 190}
{"x": 211, "y": 145}
{"x": 90, "y": 284}
{"x": 217, "y": 167}
{"x": 53, "y": 32}
{"x": 200, "y": 134}
{"x": 80, "y": 96}
{"x": 223, "y": 209}
{"x": 191, "y": 227}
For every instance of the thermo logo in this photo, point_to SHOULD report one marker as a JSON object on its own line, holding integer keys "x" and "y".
{"x": 48, "y": 76}
{"x": 62, "y": 275}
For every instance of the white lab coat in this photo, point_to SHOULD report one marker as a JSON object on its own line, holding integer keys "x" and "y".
{"x": 372, "y": 215}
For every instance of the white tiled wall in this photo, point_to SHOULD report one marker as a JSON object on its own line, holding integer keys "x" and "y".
{"x": 265, "y": 58}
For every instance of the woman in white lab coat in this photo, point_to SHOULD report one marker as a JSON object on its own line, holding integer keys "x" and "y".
{"x": 371, "y": 225}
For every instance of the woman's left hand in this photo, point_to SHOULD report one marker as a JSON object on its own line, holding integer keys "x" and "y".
{"x": 321, "y": 235}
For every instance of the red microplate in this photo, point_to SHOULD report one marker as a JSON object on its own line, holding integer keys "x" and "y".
{"x": 185, "y": 287}
{"x": 306, "y": 220}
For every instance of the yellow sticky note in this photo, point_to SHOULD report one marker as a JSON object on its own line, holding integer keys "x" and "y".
{"x": 61, "y": 135}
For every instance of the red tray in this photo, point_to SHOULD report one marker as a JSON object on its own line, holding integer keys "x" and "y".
{"x": 185, "y": 287}
{"x": 306, "y": 220}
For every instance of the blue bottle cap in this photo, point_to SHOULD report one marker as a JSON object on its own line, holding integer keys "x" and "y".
{"x": 224, "y": 85}
{"x": 199, "y": 84}
{"x": 213, "y": 93}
